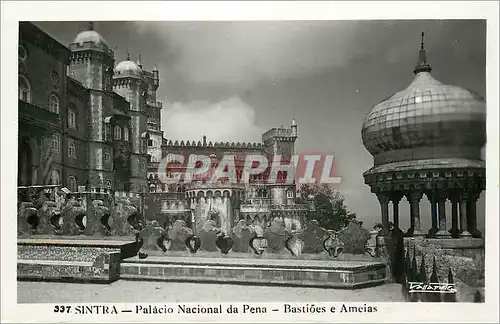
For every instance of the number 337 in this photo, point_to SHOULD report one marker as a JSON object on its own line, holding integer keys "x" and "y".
{"x": 62, "y": 309}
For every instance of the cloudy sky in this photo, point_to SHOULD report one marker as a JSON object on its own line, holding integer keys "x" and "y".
{"x": 232, "y": 81}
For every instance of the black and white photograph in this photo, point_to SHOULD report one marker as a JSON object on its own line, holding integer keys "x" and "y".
{"x": 219, "y": 169}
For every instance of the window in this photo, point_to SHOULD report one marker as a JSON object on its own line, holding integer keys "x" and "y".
{"x": 107, "y": 156}
{"x": 71, "y": 148}
{"x": 125, "y": 134}
{"x": 54, "y": 103}
{"x": 55, "y": 177}
{"x": 107, "y": 132}
{"x": 54, "y": 76}
{"x": 56, "y": 143}
{"x": 22, "y": 54}
{"x": 71, "y": 117}
{"x": 72, "y": 183}
{"x": 118, "y": 133}
{"x": 289, "y": 194}
{"x": 24, "y": 89}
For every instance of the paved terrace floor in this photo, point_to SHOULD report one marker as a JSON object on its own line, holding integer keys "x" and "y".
{"x": 172, "y": 292}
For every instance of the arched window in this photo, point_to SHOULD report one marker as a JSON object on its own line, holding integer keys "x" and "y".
{"x": 72, "y": 183}
{"x": 71, "y": 148}
{"x": 24, "y": 89}
{"x": 125, "y": 134}
{"x": 107, "y": 156}
{"x": 71, "y": 117}
{"x": 56, "y": 144}
{"x": 54, "y": 103}
{"x": 118, "y": 133}
{"x": 289, "y": 194}
{"x": 55, "y": 177}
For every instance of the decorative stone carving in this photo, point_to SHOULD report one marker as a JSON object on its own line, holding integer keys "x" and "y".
{"x": 126, "y": 218}
{"x": 241, "y": 235}
{"x": 101, "y": 222}
{"x": 295, "y": 245}
{"x": 193, "y": 243}
{"x": 224, "y": 243}
{"x": 258, "y": 244}
{"x": 276, "y": 236}
{"x": 313, "y": 237}
{"x": 179, "y": 233}
{"x": 208, "y": 235}
{"x": 354, "y": 238}
{"x": 333, "y": 245}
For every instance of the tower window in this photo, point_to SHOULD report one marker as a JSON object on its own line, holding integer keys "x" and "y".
{"x": 71, "y": 117}
{"x": 56, "y": 143}
{"x": 289, "y": 194}
{"x": 54, "y": 103}
{"x": 118, "y": 133}
{"x": 71, "y": 149}
{"x": 107, "y": 156}
{"x": 72, "y": 183}
{"x": 24, "y": 89}
{"x": 125, "y": 134}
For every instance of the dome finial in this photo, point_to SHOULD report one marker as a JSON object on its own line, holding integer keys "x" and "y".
{"x": 128, "y": 56}
{"x": 90, "y": 25}
{"x": 422, "y": 65}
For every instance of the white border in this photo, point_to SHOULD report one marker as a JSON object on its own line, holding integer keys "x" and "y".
{"x": 12, "y": 12}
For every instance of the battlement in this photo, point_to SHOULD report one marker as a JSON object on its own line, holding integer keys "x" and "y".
{"x": 228, "y": 145}
{"x": 101, "y": 47}
{"x": 277, "y": 132}
{"x": 154, "y": 104}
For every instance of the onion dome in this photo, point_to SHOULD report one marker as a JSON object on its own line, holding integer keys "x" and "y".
{"x": 427, "y": 120}
{"x": 89, "y": 35}
{"x": 127, "y": 68}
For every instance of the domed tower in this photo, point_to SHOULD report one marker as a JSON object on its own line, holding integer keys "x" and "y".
{"x": 427, "y": 140}
{"x": 91, "y": 63}
{"x": 129, "y": 82}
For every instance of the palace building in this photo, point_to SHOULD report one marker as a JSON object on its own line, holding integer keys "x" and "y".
{"x": 86, "y": 122}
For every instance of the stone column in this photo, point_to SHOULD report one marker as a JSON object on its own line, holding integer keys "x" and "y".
{"x": 455, "y": 231}
{"x": 472, "y": 214}
{"x": 383, "y": 199}
{"x": 441, "y": 200}
{"x": 434, "y": 213}
{"x": 463, "y": 215}
{"x": 396, "y": 198}
{"x": 414, "y": 197}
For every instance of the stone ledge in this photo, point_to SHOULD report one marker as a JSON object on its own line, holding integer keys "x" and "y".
{"x": 250, "y": 274}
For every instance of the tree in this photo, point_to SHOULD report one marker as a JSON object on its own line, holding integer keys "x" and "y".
{"x": 330, "y": 209}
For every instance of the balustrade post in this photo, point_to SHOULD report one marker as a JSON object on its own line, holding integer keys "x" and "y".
{"x": 441, "y": 200}
{"x": 472, "y": 214}
{"x": 463, "y": 215}
{"x": 455, "y": 231}
{"x": 414, "y": 197}
{"x": 396, "y": 198}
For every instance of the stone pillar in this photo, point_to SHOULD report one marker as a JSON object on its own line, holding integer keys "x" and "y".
{"x": 463, "y": 215}
{"x": 383, "y": 199}
{"x": 396, "y": 198}
{"x": 441, "y": 200}
{"x": 434, "y": 214}
{"x": 472, "y": 214}
{"x": 414, "y": 197}
{"x": 455, "y": 231}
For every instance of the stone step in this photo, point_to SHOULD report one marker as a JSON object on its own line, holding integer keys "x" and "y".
{"x": 268, "y": 272}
